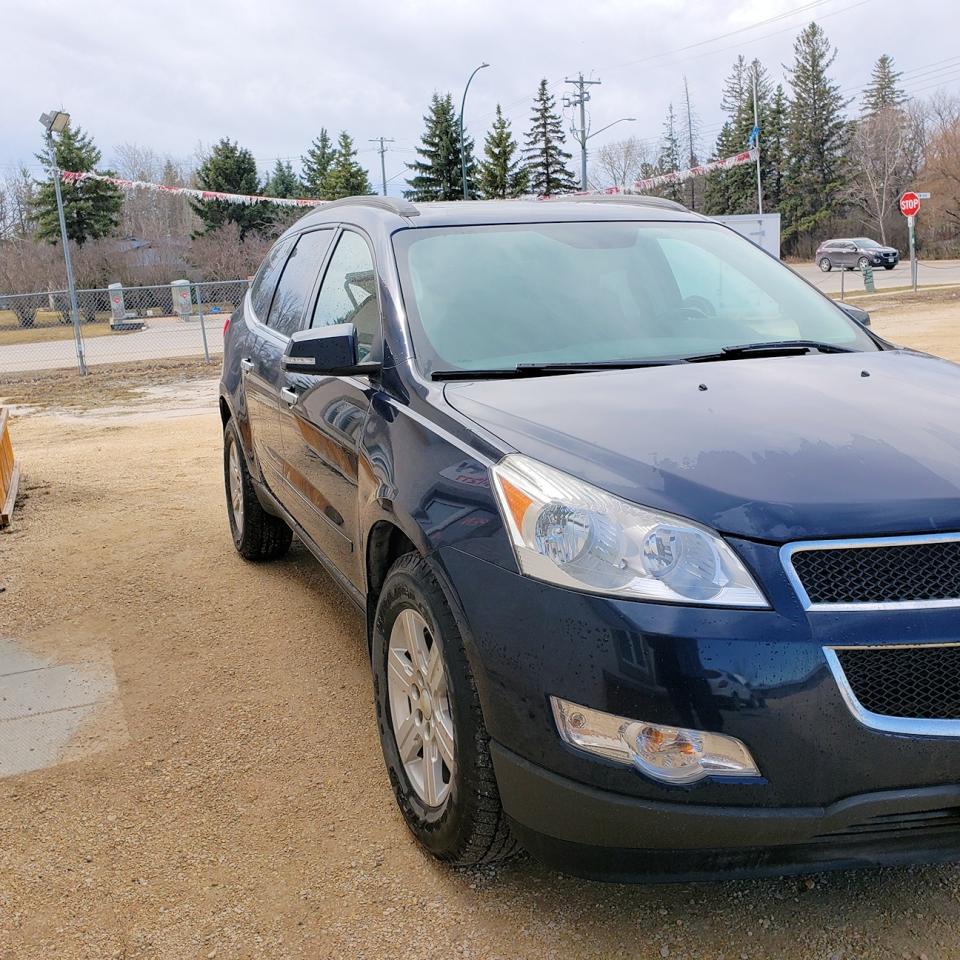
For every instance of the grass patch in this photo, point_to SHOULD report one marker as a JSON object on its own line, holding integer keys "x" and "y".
{"x": 62, "y": 331}
{"x": 104, "y": 383}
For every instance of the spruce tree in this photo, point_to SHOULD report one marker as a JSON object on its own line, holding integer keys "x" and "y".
{"x": 545, "y": 158}
{"x": 345, "y": 177}
{"x": 816, "y": 140}
{"x": 283, "y": 182}
{"x": 734, "y": 191}
{"x": 669, "y": 155}
{"x": 315, "y": 164}
{"x": 438, "y": 173}
{"x": 91, "y": 208}
{"x": 773, "y": 156}
{"x": 230, "y": 168}
{"x": 884, "y": 89}
{"x": 499, "y": 174}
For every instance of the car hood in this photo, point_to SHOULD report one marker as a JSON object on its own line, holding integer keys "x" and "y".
{"x": 773, "y": 449}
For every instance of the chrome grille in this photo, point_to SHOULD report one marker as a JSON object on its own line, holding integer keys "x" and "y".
{"x": 888, "y": 571}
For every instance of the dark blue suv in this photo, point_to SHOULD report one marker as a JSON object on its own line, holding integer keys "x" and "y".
{"x": 659, "y": 551}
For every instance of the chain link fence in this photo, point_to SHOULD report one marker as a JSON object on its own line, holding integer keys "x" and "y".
{"x": 117, "y": 324}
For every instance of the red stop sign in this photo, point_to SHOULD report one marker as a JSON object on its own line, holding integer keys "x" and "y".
{"x": 909, "y": 204}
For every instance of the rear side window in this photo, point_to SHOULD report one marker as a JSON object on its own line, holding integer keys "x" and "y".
{"x": 265, "y": 282}
{"x": 296, "y": 282}
{"x": 349, "y": 292}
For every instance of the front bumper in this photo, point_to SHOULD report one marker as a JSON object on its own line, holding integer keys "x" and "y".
{"x": 600, "y": 834}
{"x": 760, "y": 676}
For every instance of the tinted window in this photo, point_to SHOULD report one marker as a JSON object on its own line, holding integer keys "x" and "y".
{"x": 349, "y": 292}
{"x": 265, "y": 282}
{"x": 499, "y": 295}
{"x": 297, "y": 280}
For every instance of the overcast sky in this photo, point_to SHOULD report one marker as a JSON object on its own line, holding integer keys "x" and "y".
{"x": 269, "y": 74}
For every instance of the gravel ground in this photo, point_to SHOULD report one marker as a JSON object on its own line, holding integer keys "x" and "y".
{"x": 245, "y": 812}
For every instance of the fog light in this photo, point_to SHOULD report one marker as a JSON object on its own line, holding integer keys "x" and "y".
{"x": 670, "y": 754}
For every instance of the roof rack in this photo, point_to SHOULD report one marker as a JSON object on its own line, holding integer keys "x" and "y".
{"x": 634, "y": 198}
{"x": 403, "y": 208}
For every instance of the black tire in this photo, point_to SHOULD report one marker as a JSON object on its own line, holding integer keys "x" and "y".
{"x": 862, "y": 264}
{"x": 257, "y": 535}
{"x": 825, "y": 265}
{"x": 468, "y": 827}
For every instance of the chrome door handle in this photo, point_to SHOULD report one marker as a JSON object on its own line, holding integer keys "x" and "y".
{"x": 246, "y": 365}
{"x": 289, "y": 395}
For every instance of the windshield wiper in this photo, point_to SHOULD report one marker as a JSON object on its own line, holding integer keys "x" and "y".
{"x": 548, "y": 369}
{"x": 771, "y": 348}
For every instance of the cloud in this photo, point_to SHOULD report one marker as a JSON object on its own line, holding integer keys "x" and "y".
{"x": 271, "y": 74}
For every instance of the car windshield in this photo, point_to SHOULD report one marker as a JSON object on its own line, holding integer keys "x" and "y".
{"x": 494, "y": 296}
{"x": 866, "y": 243}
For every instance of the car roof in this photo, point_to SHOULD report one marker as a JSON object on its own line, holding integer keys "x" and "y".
{"x": 391, "y": 214}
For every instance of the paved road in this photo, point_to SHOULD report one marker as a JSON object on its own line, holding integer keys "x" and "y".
{"x": 928, "y": 274}
{"x": 162, "y": 337}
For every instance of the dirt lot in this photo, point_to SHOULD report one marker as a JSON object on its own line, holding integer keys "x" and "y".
{"x": 235, "y": 805}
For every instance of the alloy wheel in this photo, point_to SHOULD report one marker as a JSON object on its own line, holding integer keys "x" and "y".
{"x": 236, "y": 489}
{"x": 420, "y": 708}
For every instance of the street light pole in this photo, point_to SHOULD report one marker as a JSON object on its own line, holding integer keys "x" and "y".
{"x": 463, "y": 152}
{"x": 57, "y": 120}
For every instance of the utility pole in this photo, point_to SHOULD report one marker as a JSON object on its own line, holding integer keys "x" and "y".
{"x": 579, "y": 99}
{"x": 756, "y": 136}
{"x": 383, "y": 164}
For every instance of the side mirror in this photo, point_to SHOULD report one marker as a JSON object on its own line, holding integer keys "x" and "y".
{"x": 855, "y": 313}
{"x": 330, "y": 351}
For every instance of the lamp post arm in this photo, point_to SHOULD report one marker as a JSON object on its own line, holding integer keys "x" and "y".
{"x": 463, "y": 151}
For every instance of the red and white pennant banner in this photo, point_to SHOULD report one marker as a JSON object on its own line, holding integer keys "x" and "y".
{"x": 681, "y": 176}
{"x": 71, "y": 177}
{"x": 640, "y": 186}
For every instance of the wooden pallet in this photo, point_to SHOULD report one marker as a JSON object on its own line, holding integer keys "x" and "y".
{"x": 9, "y": 470}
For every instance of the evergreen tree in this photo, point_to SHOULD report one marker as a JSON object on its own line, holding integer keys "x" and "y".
{"x": 734, "y": 191}
{"x": 316, "y": 163}
{"x": 438, "y": 174}
{"x": 669, "y": 156}
{"x": 773, "y": 156}
{"x": 884, "y": 88}
{"x": 283, "y": 182}
{"x": 816, "y": 139}
{"x": 499, "y": 174}
{"x": 91, "y": 208}
{"x": 545, "y": 158}
{"x": 345, "y": 177}
{"x": 230, "y": 168}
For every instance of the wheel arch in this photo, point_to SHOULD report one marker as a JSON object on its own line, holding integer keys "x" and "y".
{"x": 386, "y": 542}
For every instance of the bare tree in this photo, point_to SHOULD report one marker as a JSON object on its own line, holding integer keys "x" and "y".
{"x": 220, "y": 255}
{"x": 941, "y": 169}
{"x": 620, "y": 163}
{"x": 16, "y": 192}
{"x": 148, "y": 214}
{"x": 878, "y": 148}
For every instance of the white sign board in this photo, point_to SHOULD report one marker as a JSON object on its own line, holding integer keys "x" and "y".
{"x": 762, "y": 228}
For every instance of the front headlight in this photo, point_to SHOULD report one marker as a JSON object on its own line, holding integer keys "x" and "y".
{"x": 575, "y": 535}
